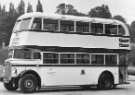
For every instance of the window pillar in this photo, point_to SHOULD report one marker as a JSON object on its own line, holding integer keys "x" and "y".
{"x": 117, "y": 29}
{"x": 103, "y": 28}
{"x": 59, "y": 25}
{"x": 90, "y": 27}
{"x": 74, "y": 26}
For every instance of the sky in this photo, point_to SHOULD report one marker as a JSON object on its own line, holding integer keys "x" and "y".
{"x": 125, "y": 8}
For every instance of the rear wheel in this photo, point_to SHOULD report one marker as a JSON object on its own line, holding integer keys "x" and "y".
{"x": 28, "y": 83}
{"x": 12, "y": 85}
{"x": 105, "y": 82}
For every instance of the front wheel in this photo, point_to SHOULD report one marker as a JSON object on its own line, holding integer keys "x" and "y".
{"x": 28, "y": 83}
{"x": 12, "y": 85}
{"x": 105, "y": 82}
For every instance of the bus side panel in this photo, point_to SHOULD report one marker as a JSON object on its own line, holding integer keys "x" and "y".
{"x": 53, "y": 76}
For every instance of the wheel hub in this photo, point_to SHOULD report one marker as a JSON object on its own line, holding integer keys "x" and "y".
{"x": 28, "y": 83}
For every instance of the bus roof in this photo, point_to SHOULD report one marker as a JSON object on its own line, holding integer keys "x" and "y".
{"x": 70, "y": 17}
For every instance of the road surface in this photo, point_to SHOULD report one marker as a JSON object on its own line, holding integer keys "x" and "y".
{"x": 120, "y": 90}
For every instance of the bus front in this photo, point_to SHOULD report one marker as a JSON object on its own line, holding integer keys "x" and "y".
{"x": 19, "y": 56}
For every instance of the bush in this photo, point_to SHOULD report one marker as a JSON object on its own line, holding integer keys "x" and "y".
{"x": 3, "y": 55}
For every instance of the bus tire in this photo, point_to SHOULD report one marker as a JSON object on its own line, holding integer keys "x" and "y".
{"x": 105, "y": 82}
{"x": 28, "y": 83}
{"x": 11, "y": 86}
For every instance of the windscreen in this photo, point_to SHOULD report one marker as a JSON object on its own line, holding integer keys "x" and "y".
{"x": 22, "y": 54}
{"x": 22, "y": 24}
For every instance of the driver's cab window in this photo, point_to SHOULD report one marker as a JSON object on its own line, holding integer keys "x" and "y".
{"x": 37, "y": 24}
{"x": 36, "y": 55}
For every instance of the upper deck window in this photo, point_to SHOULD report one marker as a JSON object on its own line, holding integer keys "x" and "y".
{"x": 22, "y": 24}
{"x": 67, "y": 26}
{"x": 97, "y": 28}
{"x": 50, "y": 25}
{"x": 82, "y": 26}
{"x": 110, "y": 29}
{"x": 121, "y": 30}
{"x": 37, "y": 23}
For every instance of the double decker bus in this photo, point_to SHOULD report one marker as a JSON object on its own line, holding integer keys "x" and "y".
{"x": 63, "y": 50}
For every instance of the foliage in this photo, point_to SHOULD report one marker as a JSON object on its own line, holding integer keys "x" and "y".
{"x": 3, "y": 11}
{"x": 12, "y": 10}
{"x": 39, "y": 7}
{"x": 131, "y": 55}
{"x": 120, "y": 18}
{"x": 3, "y": 55}
{"x": 68, "y": 9}
{"x": 100, "y": 11}
{"x": 21, "y": 8}
{"x": 132, "y": 32}
{"x": 29, "y": 8}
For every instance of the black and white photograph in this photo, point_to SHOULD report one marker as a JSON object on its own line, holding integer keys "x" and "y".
{"x": 67, "y": 47}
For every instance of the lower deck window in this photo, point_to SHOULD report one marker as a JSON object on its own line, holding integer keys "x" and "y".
{"x": 50, "y": 58}
{"x": 82, "y": 59}
{"x": 97, "y": 59}
{"x": 79, "y": 58}
{"x": 111, "y": 59}
{"x": 67, "y": 58}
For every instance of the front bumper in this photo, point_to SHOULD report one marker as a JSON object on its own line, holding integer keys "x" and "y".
{"x": 1, "y": 72}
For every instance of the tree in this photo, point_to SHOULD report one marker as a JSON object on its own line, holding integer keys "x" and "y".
{"x": 12, "y": 10}
{"x": 29, "y": 8}
{"x": 39, "y": 7}
{"x": 21, "y": 8}
{"x": 100, "y": 11}
{"x": 120, "y": 18}
{"x": 132, "y": 32}
{"x": 0, "y": 9}
{"x": 67, "y": 9}
{"x": 61, "y": 9}
{"x": 3, "y": 11}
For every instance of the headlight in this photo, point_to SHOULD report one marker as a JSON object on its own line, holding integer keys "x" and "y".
{"x": 14, "y": 71}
